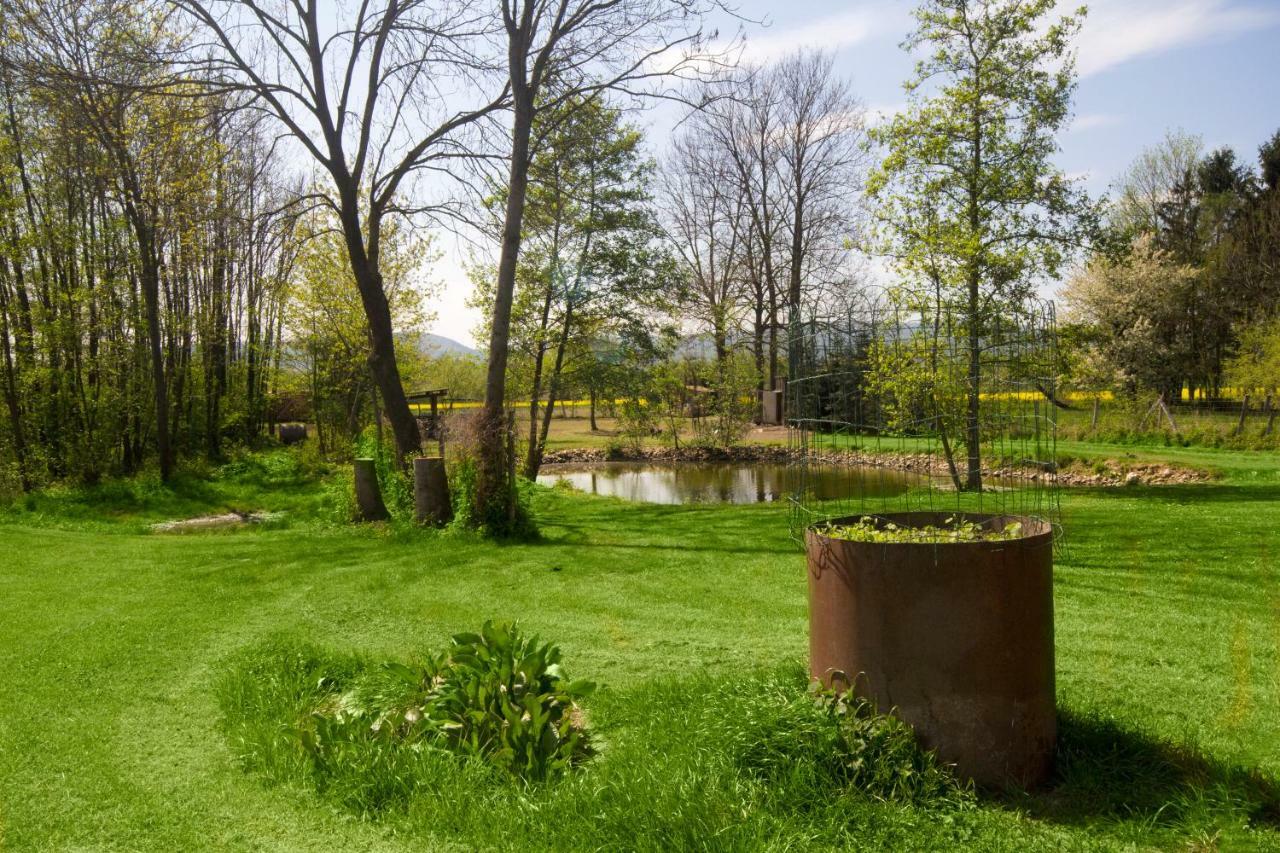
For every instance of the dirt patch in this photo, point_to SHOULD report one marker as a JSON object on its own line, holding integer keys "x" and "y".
{"x": 214, "y": 522}
{"x": 1108, "y": 473}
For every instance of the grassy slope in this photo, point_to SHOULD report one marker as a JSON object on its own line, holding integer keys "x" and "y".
{"x": 1168, "y": 609}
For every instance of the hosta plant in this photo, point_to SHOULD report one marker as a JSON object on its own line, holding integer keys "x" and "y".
{"x": 497, "y": 696}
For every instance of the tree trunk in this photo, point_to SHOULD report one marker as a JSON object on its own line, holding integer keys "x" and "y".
{"x": 973, "y": 428}
{"x": 431, "y": 501}
{"x": 382, "y": 353}
{"x": 533, "y": 455}
{"x": 149, "y": 274}
{"x": 493, "y": 468}
{"x": 11, "y": 396}
{"x": 553, "y": 392}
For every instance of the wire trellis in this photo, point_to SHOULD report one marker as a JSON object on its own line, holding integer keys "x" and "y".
{"x": 944, "y": 408}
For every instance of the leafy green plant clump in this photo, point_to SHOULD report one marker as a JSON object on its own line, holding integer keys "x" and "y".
{"x": 955, "y": 529}
{"x": 838, "y": 742}
{"x": 496, "y": 700}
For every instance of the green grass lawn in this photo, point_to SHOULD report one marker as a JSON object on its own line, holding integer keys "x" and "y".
{"x": 111, "y": 642}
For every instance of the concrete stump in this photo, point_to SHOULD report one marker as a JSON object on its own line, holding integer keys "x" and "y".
{"x": 772, "y": 407}
{"x": 369, "y": 505}
{"x": 431, "y": 502}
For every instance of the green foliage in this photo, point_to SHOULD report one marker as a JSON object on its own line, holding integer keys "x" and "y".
{"x": 290, "y": 481}
{"x": 394, "y": 480}
{"x": 497, "y": 707}
{"x": 1256, "y": 367}
{"x": 730, "y": 402}
{"x": 326, "y": 321}
{"x": 371, "y": 734}
{"x": 463, "y": 479}
{"x": 956, "y": 529}
{"x": 837, "y": 741}
{"x": 969, "y": 200}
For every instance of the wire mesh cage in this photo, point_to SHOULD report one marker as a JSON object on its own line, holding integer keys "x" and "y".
{"x": 898, "y": 402}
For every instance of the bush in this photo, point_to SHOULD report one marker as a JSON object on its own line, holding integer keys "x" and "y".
{"x": 373, "y": 734}
{"x": 837, "y": 742}
{"x": 462, "y": 491}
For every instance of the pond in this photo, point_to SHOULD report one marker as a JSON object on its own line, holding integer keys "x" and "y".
{"x": 724, "y": 482}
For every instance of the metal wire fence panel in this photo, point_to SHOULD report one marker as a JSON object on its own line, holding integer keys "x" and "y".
{"x": 949, "y": 405}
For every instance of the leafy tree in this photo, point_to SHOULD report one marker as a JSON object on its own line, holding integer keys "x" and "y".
{"x": 328, "y": 325}
{"x": 1256, "y": 366}
{"x": 591, "y": 256}
{"x": 969, "y": 198}
{"x": 1135, "y": 305}
{"x": 1150, "y": 180}
{"x": 558, "y": 52}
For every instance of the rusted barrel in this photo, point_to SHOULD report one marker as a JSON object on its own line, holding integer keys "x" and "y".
{"x": 292, "y": 433}
{"x": 431, "y": 502}
{"x": 955, "y": 638}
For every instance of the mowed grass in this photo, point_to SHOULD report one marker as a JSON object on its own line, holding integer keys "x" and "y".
{"x": 111, "y": 643}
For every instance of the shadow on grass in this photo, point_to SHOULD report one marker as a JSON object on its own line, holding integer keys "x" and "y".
{"x": 1108, "y": 772}
{"x": 1184, "y": 493}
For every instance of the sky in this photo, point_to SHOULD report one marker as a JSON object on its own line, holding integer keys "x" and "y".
{"x": 1209, "y": 67}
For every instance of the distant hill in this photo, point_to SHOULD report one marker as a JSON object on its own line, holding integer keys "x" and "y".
{"x": 440, "y": 345}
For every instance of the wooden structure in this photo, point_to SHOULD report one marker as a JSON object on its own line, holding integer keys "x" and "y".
{"x": 433, "y": 428}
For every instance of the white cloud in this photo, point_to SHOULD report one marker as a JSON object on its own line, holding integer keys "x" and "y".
{"x": 1122, "y": 30}
{"x": 829, "y": 34}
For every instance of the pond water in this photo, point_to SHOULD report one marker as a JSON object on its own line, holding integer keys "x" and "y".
{"x": 724, "y": 482}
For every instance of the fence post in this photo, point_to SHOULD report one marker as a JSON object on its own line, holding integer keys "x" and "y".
{"x": 1244, "y": 413}
{"x": 1164, "y": 407}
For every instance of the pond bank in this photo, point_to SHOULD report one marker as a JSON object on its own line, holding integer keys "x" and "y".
{"x": 1103, "y": 473}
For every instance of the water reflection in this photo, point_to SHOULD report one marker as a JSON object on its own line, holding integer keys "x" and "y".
{"x": 726, "y": 482}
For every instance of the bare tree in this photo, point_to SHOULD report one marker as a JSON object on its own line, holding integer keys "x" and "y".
{"x": 746, "y": 126}
{"x": 557, "y": 51}
{"x": 792, "y": 138}
{"x": 708, "y": 225}
{"x": 378, "y": 96}
{"x": 824, "y": 158}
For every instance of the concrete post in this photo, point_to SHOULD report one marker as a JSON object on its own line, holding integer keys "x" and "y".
{"x": 369, "y": 505}
{"x": 431, "y": 502}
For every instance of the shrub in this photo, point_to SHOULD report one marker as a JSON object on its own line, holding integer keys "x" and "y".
{"x": 372, "y": 735}
{"x": 837, "y": 742}
{"x": 462, "y": 490}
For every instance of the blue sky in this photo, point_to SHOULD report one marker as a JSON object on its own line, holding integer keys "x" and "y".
{"x": 1210, "y": 67}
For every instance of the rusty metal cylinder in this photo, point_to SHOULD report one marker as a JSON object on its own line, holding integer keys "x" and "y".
{"x": 956, "y": 639}
{"x": 292, "y": 433}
